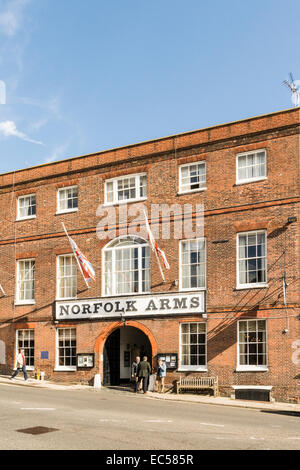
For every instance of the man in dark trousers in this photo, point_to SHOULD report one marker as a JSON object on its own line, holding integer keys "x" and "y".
{"x": 134, "y": 368}
{"x": 143, "y": 373}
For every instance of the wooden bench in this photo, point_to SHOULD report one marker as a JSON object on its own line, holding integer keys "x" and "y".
{"x": 198, "y": 383}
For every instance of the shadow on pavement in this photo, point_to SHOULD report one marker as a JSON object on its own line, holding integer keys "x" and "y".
{"x": 278, "y": 412}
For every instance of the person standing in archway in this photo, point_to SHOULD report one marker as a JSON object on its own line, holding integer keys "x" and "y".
{"x": 134, "y": 369}
{"x": 143, "y": 372}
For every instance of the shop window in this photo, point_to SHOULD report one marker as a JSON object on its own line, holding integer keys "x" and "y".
{"x": 66, "y": 348}
{"x": 25, "y": 340}
{"x": 193, "y": 346}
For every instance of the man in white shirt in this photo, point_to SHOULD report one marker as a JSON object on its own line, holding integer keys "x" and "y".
{"x": 21, "y": 365}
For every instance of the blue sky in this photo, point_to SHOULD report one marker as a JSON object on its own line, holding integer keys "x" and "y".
{"x": 82, "y": 77}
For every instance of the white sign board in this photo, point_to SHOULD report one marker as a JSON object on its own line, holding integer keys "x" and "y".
{"x": 150, "y": 305}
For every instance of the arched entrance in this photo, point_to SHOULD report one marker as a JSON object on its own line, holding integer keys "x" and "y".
{"x": 119, "y": 351}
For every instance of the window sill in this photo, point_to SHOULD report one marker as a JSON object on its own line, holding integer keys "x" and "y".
{"x": 251, "y": 369}
{"x": 191, "y": 289}
{"x": 131, "y": 294}
{"x": 20, "y": 219}
{"x": 191, "y": 191}
{"x": 65, "y": 299}
{"x": 65, "y": 369}
{"x": 192, "y": 369}
{"x": 127, "y": 201}
{"x": 22, "y": 303}
{"x": 67, "y": 211}
{"x": 252, "y": 286}
{"x": 254, "y": 180}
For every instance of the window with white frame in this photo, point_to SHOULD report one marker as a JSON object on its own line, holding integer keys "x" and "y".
{"x": 251, "y": 166}
{"x": 192, "y": 177}
{"x": 192, "y": 264}
{"x": 25, "y": 281}
{"x": 26, "y": 207}
{"x": 126, "y": 266}
{"x": 252, "y": 344}
{"x": 66, "y": 277}
{"x": 66, "y": 348}
{"x": 252, "y": 259}
{"x": 193, "y": 345}
{"x": 129, "y": 188}
{"x": 67, "y": 199}
{"x": 25, "y": 340}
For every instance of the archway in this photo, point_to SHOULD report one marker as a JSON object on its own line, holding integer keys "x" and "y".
{"x": 118, "y": 346}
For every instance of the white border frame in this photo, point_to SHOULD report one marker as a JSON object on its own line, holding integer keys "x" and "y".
{"x": 28, "y": 217}
{"x": 17, "y": 301}
{"x": 57, "y": 270}
{"x": 59, "y": 368}
{"x": 115, "y": 189}
{"x": 30, "y": 368}
{"x": 188, "y": 191}
{"x": 107, "y": 248}
{"x": 185, "y": 289}
{"x": 251, "y": 368}
{"x": 184, "y": 368}
{"x": 256, "y": 285}
{"x": 250, "y": 180}
{"x": 66, "y": 211}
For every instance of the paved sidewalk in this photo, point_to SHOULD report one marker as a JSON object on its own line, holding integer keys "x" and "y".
{"x": 203, "y": 399}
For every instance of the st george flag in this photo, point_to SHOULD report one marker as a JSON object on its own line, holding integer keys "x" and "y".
{"x": 155, "y": 247}
{"x": 85, "y": 266}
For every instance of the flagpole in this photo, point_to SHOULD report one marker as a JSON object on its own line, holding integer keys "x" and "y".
{"x": 75, "y": 255}
{"x": 2, "y": 290}
{"x": 161, "y": 271}
{"x": 153, "y": 249}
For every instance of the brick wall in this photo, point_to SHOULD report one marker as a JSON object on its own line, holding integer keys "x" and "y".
{"x": 228, "y": 210}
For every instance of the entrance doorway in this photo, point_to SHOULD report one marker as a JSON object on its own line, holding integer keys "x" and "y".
{"x": 120, "y": 350}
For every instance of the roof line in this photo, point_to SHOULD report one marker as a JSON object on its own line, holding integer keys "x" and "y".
{"x": 149, "y": 141}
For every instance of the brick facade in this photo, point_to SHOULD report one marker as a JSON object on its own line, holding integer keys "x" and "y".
{"x": 229, "y": 209}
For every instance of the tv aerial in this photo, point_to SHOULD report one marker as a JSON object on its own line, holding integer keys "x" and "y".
{"x": 294, "y": 87}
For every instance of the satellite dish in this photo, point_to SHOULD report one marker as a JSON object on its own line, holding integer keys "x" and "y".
{"x": 294, "y": 87}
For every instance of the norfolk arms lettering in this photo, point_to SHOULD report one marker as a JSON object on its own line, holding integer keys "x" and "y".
{"x": 137, "y": 306}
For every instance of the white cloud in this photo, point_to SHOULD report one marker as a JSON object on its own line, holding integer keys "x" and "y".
{"x": 9, "y": 129}
{"x": 11, "y": 16}
{"x": 58, "y": 153}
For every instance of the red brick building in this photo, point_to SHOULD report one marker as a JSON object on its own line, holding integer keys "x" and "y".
{"x": 222, "y": 310}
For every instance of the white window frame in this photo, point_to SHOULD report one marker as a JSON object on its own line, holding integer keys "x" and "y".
{"x": 251, "y": 368}
{"x": 184, "y": 191}
{"x": 257, "y": 178}
{"x": 69, "y": 255}
{"x": 19, "y": 301}
{"x": 202, "y": 239}
{"x": 115, "y": 181}
{"x": 57, "y": 366}
{"x": 65, "y": 211}
{"x": 27, "y": 217}
{"x": 254, "y": 285}
{"x": 113, "y": 250}
{"x": 192, "y": 368}
{"x": 17, "y": 346}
